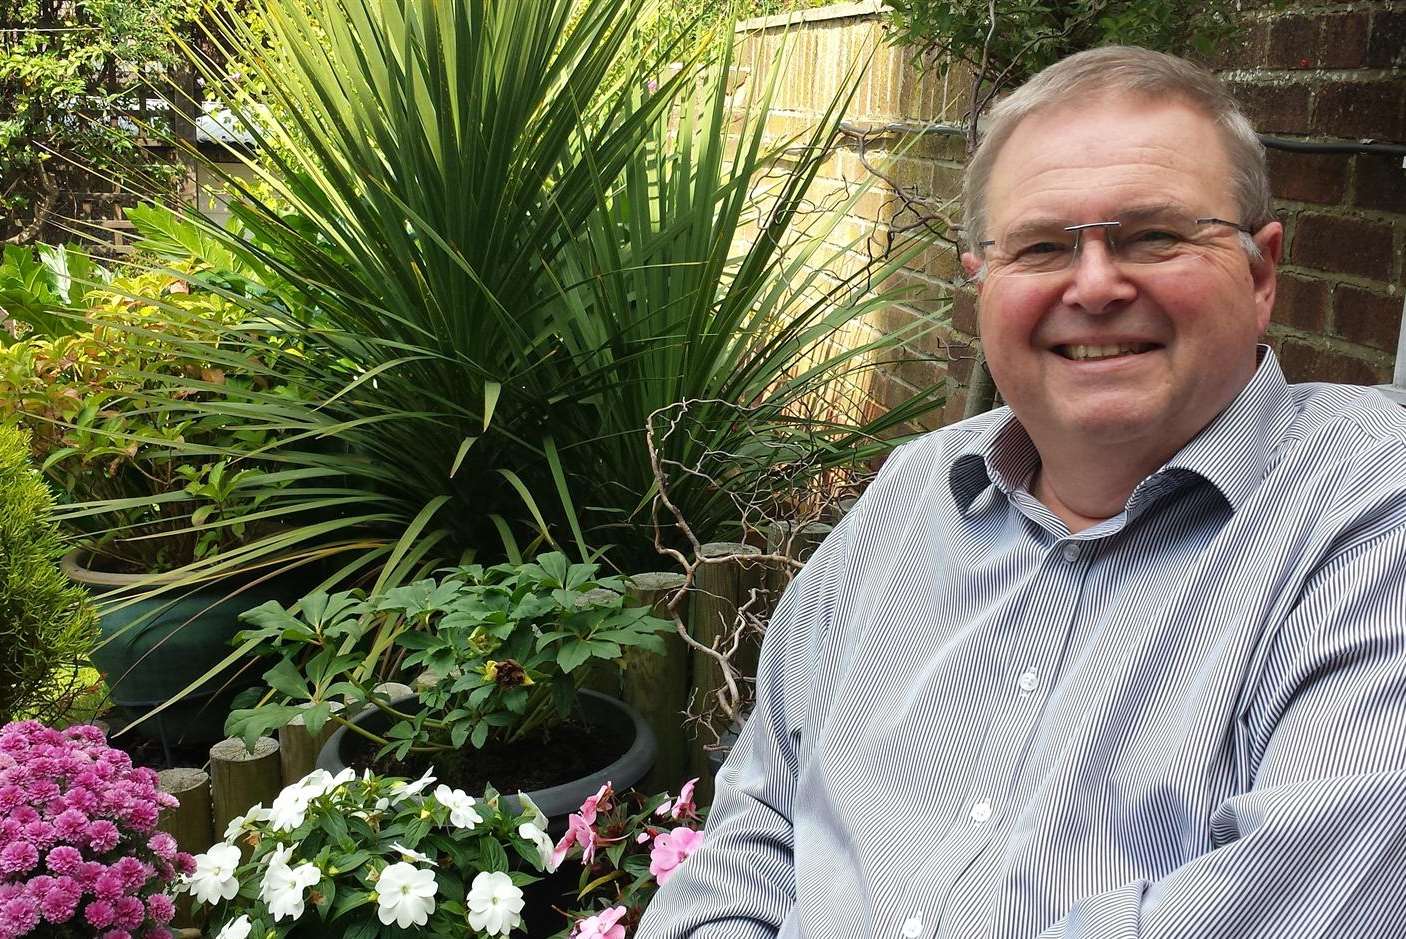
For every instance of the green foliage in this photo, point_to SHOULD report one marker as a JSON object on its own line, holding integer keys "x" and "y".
{"x": 1029, "y": 35}
{"x": 47, "y": 627}
{"x": 82, "y": 379}
{"x": 68, "y": 72}
{"x": 511, "y": 645}
{"x": 347, "y": 830}
{"x": 499, "y": 253}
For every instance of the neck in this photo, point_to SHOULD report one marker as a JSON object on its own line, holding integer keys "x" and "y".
{"x": 1082, "y": 493}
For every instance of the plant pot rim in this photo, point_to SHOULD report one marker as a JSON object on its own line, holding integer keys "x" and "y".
{"x": 554, "y": 801}
{"x": 73, "y": 566}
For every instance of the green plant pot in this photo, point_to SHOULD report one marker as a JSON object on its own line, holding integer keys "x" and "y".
{"x": 153, "y": 648}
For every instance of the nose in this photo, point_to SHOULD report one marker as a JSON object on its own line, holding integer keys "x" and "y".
{"x": 1097, "y": 282}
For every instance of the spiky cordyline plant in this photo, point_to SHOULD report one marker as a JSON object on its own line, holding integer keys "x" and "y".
{"x": 494, "y": 256}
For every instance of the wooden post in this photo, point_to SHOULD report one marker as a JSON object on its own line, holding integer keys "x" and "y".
{"x": 190, "y": 823}
{"x": 298, "y": 749}
{"x": 794, "y": 540}
{"x": 657, "y": 685}
{"x": 718, "y": 591}
{"x": 239, "y": 778}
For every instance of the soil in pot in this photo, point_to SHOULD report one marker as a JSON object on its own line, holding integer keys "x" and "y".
{"x": 569, "y": 751}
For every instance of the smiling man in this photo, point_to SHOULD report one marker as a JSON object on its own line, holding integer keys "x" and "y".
{"x": 1126, "y": 658}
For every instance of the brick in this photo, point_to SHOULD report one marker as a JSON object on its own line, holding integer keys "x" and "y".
{"x": 1246, "y": 49}
{"x": 1343, "y": 42}
{"x": 1293, "y": 42}
{"x": 1274, "y": 108}
{"x": 1386, "y": 45}
{"x": 1379, "y": 183}
{"x": 964, "y": 317}
{"x": 1361, "y": 109}
{"x": 1303, "y": 361}
{"x": 1343, "y": 245}
{"x": 1366, "y": 317}
{"x": 1308, "y": 177}
{"x": 1302, "y": 303}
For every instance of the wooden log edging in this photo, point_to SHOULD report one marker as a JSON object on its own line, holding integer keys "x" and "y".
{"x": 240, "y": 778}
{"x": 298, "y": 749}
{"x": 719, "y": 590}
{"x": 658, "y": 685}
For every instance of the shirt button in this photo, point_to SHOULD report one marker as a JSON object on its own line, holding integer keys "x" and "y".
{"x": 981, "y": 811}
{"x": 913, "y": 926}
{"x": 1070, "y": 551}
{"x": 1028, "y": 681}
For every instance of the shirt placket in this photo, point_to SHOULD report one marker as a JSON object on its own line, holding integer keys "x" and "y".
{"x": 1034, "y": 657}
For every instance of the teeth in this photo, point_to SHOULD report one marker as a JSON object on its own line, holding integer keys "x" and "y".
{"x": 1080, "y": 353}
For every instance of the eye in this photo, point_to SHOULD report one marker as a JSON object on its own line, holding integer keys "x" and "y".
{"x": 1154, "y": 236}
{"x": 1039, "y": 248}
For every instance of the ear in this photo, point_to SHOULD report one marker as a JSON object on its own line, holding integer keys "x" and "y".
{"x": 971, "y": 265}
{"x": 1263, "y": 273}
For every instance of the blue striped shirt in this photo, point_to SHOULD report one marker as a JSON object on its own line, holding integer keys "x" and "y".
{"x": 1187, "y": 721}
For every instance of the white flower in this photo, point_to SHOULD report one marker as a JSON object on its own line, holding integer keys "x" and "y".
{"x": 283, "y": 886}
{"x": 213, "y": 879}
{"x": 460, "y": 805}
{"x": 495, "y": 903}
{"x": 528, "y": 805}
{"x": 235, "y": 929}
{"x": 289, "y": 808}
{"x": 320, "y": 782}
{"x": 236, "y": 825}
{"x": 410, "y": 854}
{"x": 405, "y": 895}
{"x": 544, "y": 844}
{"x": 403, "y": 791}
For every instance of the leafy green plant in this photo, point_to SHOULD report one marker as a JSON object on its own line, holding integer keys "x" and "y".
{"x": 498, "y": 254}
{"x": 69, "y": 73}
{"x": 509, "y": 646}
{"x": 86, "y": 397}
{"x": 47, "y": 627}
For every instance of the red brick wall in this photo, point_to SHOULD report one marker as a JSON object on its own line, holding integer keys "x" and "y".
{"x": 1332, "y": 73}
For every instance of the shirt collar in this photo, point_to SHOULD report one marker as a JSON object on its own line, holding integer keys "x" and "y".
{"x": 1233, "y": 452}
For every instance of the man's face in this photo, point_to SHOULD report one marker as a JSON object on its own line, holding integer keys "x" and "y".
{"x": 1192, "y": 321}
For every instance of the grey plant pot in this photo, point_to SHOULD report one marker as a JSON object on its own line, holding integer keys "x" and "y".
{"x": 556, "y": 801}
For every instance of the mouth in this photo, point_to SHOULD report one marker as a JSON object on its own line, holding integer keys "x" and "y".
{"x": 1088, "y": 353}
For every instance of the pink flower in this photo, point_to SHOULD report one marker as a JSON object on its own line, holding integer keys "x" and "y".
{"x": 103, "y": 836}
{"x": 684, "y": 807}
{"x": 601, "y": 801}
{"x": 99, "y": 913}
{"x": 18, "y": 857}
{"x": 670, "y": 850}
{"x": 108, "y": 885}
{"x": 157, "y": 932}
{"x": 64, "y": 859}
{"x": 578, "y": 830}
{"x": 70, "y": 824}
{"x": 160, "y": 908}
{"x": 162, "y": 845}
{"x": 604, "y": 925}
{"x": 61, "y": 900}
{"x": 132, "y": 871}
{"x": 117, "y": 934}
{"x": 18, "y": 916}
{"x": 129, "y": 913}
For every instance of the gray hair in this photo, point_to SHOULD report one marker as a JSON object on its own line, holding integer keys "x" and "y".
{"x": 1135, "y": 71}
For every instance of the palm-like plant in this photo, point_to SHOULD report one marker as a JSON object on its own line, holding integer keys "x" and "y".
{"x": 500, "y": 252}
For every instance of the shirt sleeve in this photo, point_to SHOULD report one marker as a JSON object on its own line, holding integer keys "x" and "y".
{"x": 740, "y": 883}
{"x": 1316, "y": 846}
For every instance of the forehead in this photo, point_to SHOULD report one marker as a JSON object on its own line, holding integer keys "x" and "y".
{"x": 1090, "y": 160}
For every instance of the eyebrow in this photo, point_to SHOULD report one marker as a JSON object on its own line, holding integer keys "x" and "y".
{"x": 1134, "y": 213}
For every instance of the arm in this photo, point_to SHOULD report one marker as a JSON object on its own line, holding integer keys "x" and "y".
{"x": 740, "y": 883}
{"x": 1317, "y": 846}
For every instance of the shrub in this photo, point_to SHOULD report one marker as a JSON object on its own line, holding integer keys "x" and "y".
{"x": 46, "y": 624}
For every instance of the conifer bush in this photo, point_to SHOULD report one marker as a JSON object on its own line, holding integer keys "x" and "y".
{"x": 47, "y": 625}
